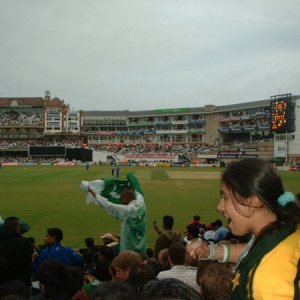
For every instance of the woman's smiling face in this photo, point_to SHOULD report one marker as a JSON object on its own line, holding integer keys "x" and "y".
{"x": 236, "y": 214}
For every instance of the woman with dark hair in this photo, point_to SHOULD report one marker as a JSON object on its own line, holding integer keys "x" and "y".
{"x": 253, "y": 201}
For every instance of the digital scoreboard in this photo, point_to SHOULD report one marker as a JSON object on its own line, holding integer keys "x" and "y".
{"x": 282, "y": 114}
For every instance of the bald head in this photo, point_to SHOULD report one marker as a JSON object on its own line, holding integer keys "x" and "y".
{"x": 127, "y": 196}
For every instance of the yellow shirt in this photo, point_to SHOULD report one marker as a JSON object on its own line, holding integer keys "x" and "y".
{"x": 271, "y": 270}
{"x": 274, "y": 277}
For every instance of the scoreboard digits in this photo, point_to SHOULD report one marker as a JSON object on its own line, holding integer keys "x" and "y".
{"x": 281, "y": 109}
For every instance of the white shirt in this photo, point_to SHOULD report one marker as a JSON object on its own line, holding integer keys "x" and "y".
{"x": 185, "y": 274}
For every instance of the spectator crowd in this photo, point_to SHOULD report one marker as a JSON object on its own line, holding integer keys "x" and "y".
{"x": 258, "y": 258}
{"x": 98, "y": 271}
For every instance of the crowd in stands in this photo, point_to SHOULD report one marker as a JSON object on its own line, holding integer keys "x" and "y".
{"x": 102, "y": 271}
{"x": 129, "y": 154}
{"x": 132, "y": 149}
{"x": 169, "y": 148}
{"x": 122, "y": 149}
{"x": 24, "y": 144}
{"x": 153, "y": 149}
{"x": 20, "y": 118}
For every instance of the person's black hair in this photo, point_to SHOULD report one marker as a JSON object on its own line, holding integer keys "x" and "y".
{"x": 257, "y": 177}
{"x": 218, "y": 223}
{"x": 168, "y": 222}
{"x": 139, "y": 275}
{"x": 154, "y": 264}
{"x": 102, "y": 263}
{"x": 114, "y": 290}
{"x": 177, "y": 253}
{"x": 193, "y": 230}
{"x": 57, "y": 233}
{"x": 90, "y": 242}
{"x": 55, "y": 277}
{"x": 11, "y": 224}
{"x": 196, "y": 218}
{"x": 169, "y": 288}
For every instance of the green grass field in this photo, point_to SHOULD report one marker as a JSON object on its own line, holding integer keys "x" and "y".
{"x": 49, "y": 196}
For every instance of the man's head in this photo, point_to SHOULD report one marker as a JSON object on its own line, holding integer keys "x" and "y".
{"x": 192, "y": 231}
{"x": 12, "y": 225}
{"x": 127, "y": 196}
{"x": 177, "y": 254}
{"x": 217, "y": 224}
{"x": 89, "y": 242}
{"x": 53, "y": 235}
{"x": 168, "y": 222}
{"x": 196, "y": 218}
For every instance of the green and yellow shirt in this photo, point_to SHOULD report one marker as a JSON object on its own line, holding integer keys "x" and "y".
{"x": 271, "y": 269}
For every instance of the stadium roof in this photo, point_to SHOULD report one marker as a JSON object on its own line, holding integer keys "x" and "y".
{"x": 127, "y": 113}
{"x": 40, "y": 101}
{"x": 245, "y": 105}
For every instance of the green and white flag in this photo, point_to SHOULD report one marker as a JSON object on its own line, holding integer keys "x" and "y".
{"x": 110, "y": 188}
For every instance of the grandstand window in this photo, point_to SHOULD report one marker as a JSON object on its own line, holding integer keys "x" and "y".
{"x": 149, "y": 119}
{"x": 178, "y": 118}
{"x": 53, "y": 119}
{"x": 53, "y": 123}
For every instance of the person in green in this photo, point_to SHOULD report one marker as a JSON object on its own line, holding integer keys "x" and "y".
{"x": 131, "y": 211}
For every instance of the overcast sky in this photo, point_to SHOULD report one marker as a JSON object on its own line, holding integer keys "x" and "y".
{"x": 149, "y": 54}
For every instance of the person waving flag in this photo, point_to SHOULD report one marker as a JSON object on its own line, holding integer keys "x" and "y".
{"x": 124, "y": 200}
